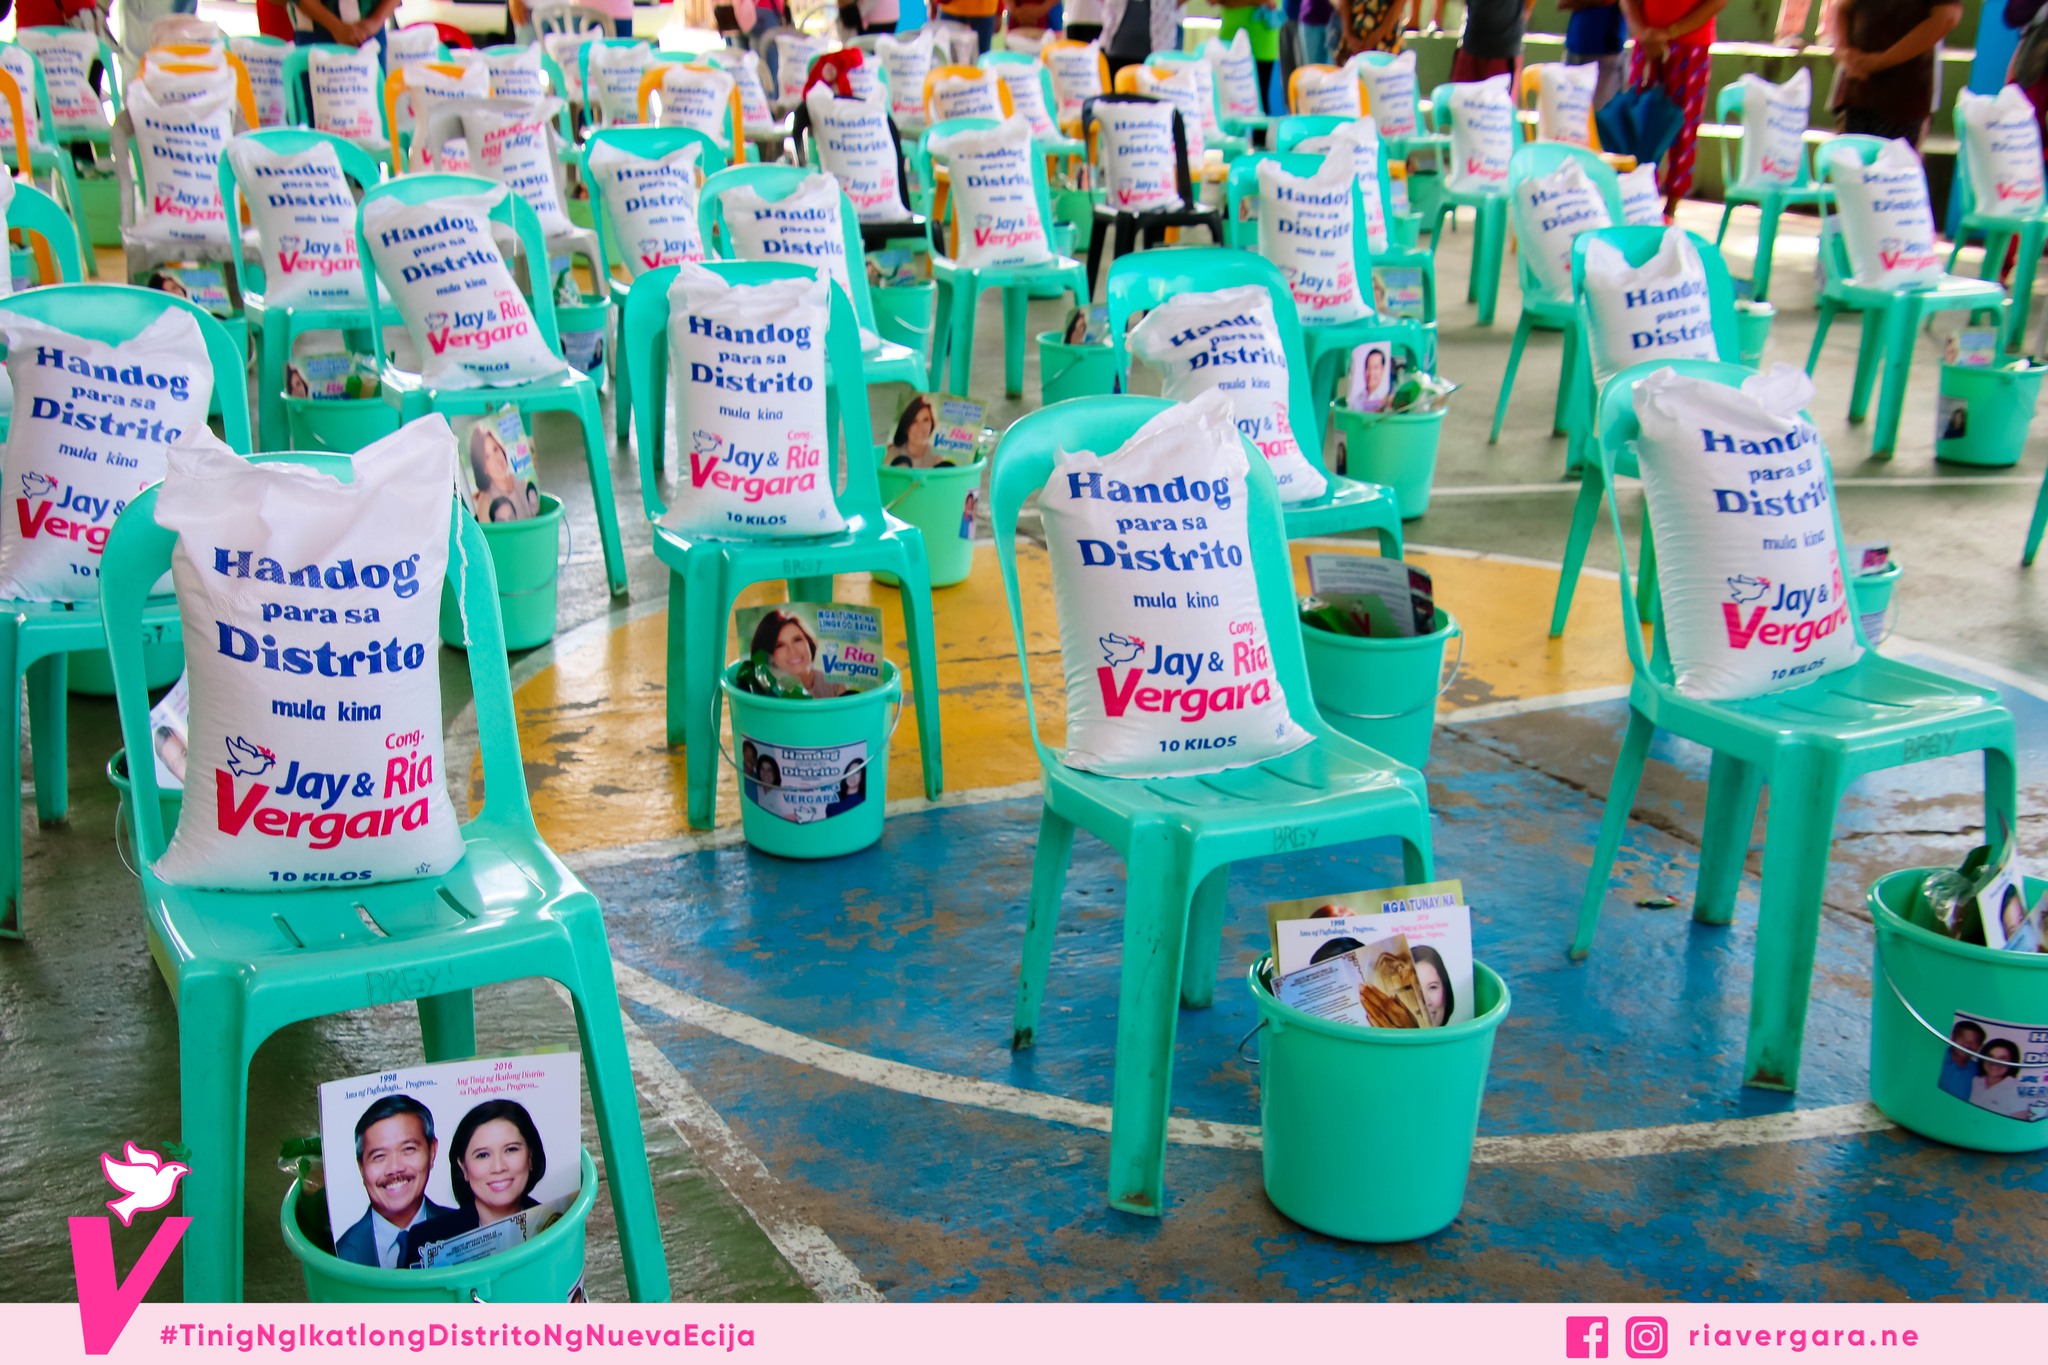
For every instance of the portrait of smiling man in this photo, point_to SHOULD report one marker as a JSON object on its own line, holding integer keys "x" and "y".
{"x": 395, "y": 1150}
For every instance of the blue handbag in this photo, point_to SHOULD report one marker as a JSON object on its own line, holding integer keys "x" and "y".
{"x": 1640, "y": 122}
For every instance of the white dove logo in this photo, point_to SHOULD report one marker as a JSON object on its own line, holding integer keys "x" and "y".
{"x": 34, "y": 485}
{"x": 704, "y": 442}
{"x": 1118, "y": 650}
{"x": 248, "y": 760}
{"x": 147, "y": 1182}
{"x": 436, "y": 321}
{"x": 288, "y": 244}
{"x": 1743, "y": 588}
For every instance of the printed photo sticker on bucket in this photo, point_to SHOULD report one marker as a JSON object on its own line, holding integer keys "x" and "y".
{"x": 311, "y": 610}
{"x": 1887, "y": 219}
{"x": 1139, "y": 171}
{"x": 856, "y": 147}
{"x": 1482, "y": 136}
{"x": 1550, "y": 211}
{"x": 748, "y": 365}
{"x": 1742, "y": 514}
{"x": 1997, "y": 1066}
{"x": 1774, "y": 128}
{"x": 805, "y": 784}
{"x": 1390, "y": 94}
{"x": 996, "y": 222}
{"x": 1658, "y": 310}
{"x": 348, "y": 93}
{"x": 1305, "y": 228}
{"x": 1564, "y": 103}
{"x": 304, "y": 211}
{"x": 1237, "y": 75}
{"x": 2002, "y": 149}
{"x": 653, "y": 205}
{"x": 1226, "y": 342}
{"x": 1166, "y": 652}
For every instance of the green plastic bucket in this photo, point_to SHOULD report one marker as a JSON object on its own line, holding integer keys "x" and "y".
{"x": 1407, "y": 230}
{"x": 542, "y": 1270}
{"x": 1753, "y": 330}
{"x": 1872, "y": 594}
{"x": 903, "y": 314}
{"x": 838, "y": 749}
{"x": 524, "y": 557}
{"x": 1982, "y": 414}
{"x": 1066, "y": 371}
{"x": 169, "y": 802}
{"x": 90, "y": 672}
{"x": 940, "y": 503}
{"x": 1383, "y": 692}
{"x": 339, "y": 425}
{"x": 1323, "y": 1083}
{"x": 100, "y": 197}
{"x": 1397, "y": 449}
{"x": 582, "y": 321}
{"x": 1075, "y": 208}
{"x": 1923, "y": 981}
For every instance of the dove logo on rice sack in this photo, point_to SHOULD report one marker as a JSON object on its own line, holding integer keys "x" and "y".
{"x": 1774, "y": 128}
{"x": 466, "y": 316}
{"x": 1744, "y": 526}
{"x": 748, "y": 365}
{"x": 305, "y": 218}
{"x": 1227, "y": 342}
{"x": 1482, "y": 135}
{"x": 802, "y": 228}
{"x": 513, "y": 144}
{"x": 1165, "y": 650}
{"x": 347, "y": 90}
{"x": 995, "y": 190}
{"x": 653, "y": 204}
{"x": 1658, "y": 310}
{"x": 1887, "y": 221}
{"x": 854, "y": 145}
{"x": 1550, "y": 211}
{"x": 1305, "y": 229}
{"x": 311, "y": 611}
{"x": 1138, "y": 169}
{"x": 92, "y": 424}
{"x": 2002, "y": 148}
{"x": 180, "y": 147}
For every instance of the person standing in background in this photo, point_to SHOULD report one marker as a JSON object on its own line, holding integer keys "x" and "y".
{"x": 1243, "y": 16}
{"x": 1492, "y": 41}
{"x": 339, "y": 21}
{"x": 1674, "y": 39}
{"x": 979, "y": 15}
{"x": 620, "y": 12}
{"x": 1885, "y": 49}
{"x": 1133, "y": 30}
{"x": 1315, "y": 20}
{"x": 1594, "y": 35}
{"x": 1370, "y": 26}
{"x": 1084, "y": 20}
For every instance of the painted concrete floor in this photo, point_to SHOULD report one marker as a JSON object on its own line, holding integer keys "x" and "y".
{"x": 830, "y": 1104}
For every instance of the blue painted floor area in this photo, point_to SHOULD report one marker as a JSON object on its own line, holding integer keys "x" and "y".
{"x": 909, "y": 952}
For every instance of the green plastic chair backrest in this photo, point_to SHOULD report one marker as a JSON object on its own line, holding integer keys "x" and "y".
{"x": 1186, "y": 184}
{"x": 1144, "y": 280}
{"x": 1294, "y": 129}
{"x": 1242, "y": 182}
{"x": 511, "y": 209}
{"x": 35, "y": 213}
{"x": 139, "y": 552}
{"x": 110, "y": 70}
{"x": 298, "y": 101}
{"x": 1533, "y": 162}
{"x": 1971, "y": 207}
{"x": 1617, "y": 431}
{"x": 362, "y": 169}
{"x": 652, "y": 143}
{"x": 114, "y": 313}
{"x": 852, "y": 453}
{"x": 946, "y": 128}
{"x": 1637, "y": 243}
{"x": 775, "y": 183}
{"x": 1023, "y": 463}
{"x": 1865, "y": 149}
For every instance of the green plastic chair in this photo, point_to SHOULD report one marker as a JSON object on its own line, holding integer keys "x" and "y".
{"x": 274, "y": 337}
{"x": 36, "y": 638}
{"x": 705, "y": 577}
{"x": 1178, "y": 836}
{"x": 1809, "y": 743}
{"x": 1999, "y": 231}
{"x": 1637, "y": 244}
{"x": 51, "y": 162}
{"x": 242, "y": 965}
{"x": 959, "y": 287}
{"x": 38, "y": 215}
{"x": 298, "y": 97}
{"x": 143, "y": 258}
{"x": 1892, "y": 318}
{"x": 653, "y": 143}
{"x": 885, "y": 362}
{"x": 1404, "y": 230}
{"x": 1540, "y": 308}
{"x": 1148, "y": 279}
{"x": 1063, "y": 147}
{"x": 1119, "y": 230}
{"x": 1489, "y": 235}
{"x": 877, "y": 236}
{"x": 1233, "y": 143}
{"x": 1770, "y": 197}
{"x": 569, "y": 391}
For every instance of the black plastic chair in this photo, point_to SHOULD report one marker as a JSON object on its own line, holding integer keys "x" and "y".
{"x": 1126, "y": 225}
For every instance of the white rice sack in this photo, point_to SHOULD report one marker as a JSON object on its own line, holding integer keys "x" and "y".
{"x": 697, "y": 97}
{"x": 566, "y": 49}
{"x": 1774, "y": 128}
{"x": 1391, "y": 96}
{"x": 1744, "y": 524}
{"x": 907, "y": 61}
{"x": 864, "y": 83}
{"x": 92, "y": 424}
{"x": 1201, "y": 80}
{"x": 1327, "y": 90}
{"x": 21, "y": 66}
{"x": 1655, "y": 311}
{"x": 517, "y": 75}
{"x": 1482, "y": 136}
{"x": 1564, "y": 103}
{"x": 1227, "y": 342}
{"x": 67, "y": 55}
{"x": 615, "y": 74}
{"x": 304, "y": 212}
{"x": 1026, "y": 84}
{"x": 855, "y": 146}
{"x": 1550, "y": 211}
{"x": 189, "y": 81}
{"x": 265, "y": 64}
{"x": 431, "y": 84}
{"x": 312, "y": 619}
{"x": 794, "y": 52}
{"x": 181, "y": 148}
{"x": 803, "y": 229}
{"x": 653, "y": 205}
{"x": 756, "y": 114}
{"x": 348, "y": 94}
{"x": 1642, "y": 203}
{"x": 995, "y": 196}
{"x": 1237, "y": 75}
{"x": 1363, "y": 138}
{"x": 467, "y": 318}
{"x": 1076, "y": 75}
{"x": 1179, "y": 90}
{"x": 411, "y": 45}
{"x": 1139, "y": 172}
{"x": 1305, "y": 229}
{"x": 2003, "y": 145}
{"x": 965, "y": 97}
{"x": 514, "y": 144}
{"x": 748, "y": 365}
{"x": 1887, "y": 222}
{"x": 1162, "y": 639}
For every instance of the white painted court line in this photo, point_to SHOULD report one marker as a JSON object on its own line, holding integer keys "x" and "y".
{"x": 1513, "y": 490}
{"x": 1842, "y": 1120}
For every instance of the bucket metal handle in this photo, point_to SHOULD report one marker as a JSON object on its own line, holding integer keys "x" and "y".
{"x": 1457, "y": 666}
{"x": 1249, "y": 1061}
{"x": 120, "y": 835}
{"x": 902, "y": 696}
{"x": 567, "y": 552}
{"x": 1921, "y": 1020}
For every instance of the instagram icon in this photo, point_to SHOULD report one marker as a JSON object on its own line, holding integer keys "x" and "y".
{"x": 1646, "y": 1338}
{"x": 1585, "y": 1339}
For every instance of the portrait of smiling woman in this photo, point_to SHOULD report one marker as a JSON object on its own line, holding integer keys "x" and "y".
{"x": 495, "y": 1159}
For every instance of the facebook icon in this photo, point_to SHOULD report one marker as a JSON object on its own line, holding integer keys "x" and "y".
{"x": 1585, "y": 1338}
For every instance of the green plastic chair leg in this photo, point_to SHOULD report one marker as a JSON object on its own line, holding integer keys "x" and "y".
{"x": 274, "y": 345}
{"x": 597, "y": 452}
{"x": 2036, "y": 526}
{"x": 1904, "y": 323}
{"x": 1016, "y": 307}
{"x": 1585, "y": 511}
{"x": 2001, "y": 788}
{"x": 942, "y": 330}
{"x": 1648, "y": 606}
{"x": 1869, "y": 359}
{"x": 1806, "y": 786}
{"x": 66, "y": 176}
{"x": 1766, "y": 244}
{"x": 1732, "y": 788}
{"x": 48, "y": 722}
{"x": 1147, "y": 1014}
{"x": 1824, "y": 318}
{"x": 622, "y": 403}
{"x": 213, "y": 1083}
{"x": 1204, "y": 944}
{"x": 817, "y": 589}
{"x": 1955, "y": 249}
{"x": 1048, "y": 884}
{"x": 2033, "y": 239}
{"x": 1621, "y": 796}
{"x": 966, "y": 303}
{"x": 448, "y": 1025}
{"x": 914, "y": 584}
{"x": 1566, "y": 404}
{"x": 1523, "y": 327}
{"x": 701, "y": 646}
{"x": 1727, "y": 212}
{"x": 1489, "y": 244}
{"x": 10, "y": 774}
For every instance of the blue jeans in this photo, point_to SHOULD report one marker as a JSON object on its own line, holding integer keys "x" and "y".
{"x": 1315, "y": 44}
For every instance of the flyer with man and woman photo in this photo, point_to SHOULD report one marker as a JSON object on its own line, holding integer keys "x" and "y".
{"x": 1428, "y": 924}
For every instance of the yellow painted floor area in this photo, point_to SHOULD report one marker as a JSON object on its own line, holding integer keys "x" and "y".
{"x": 592, "y": 728}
